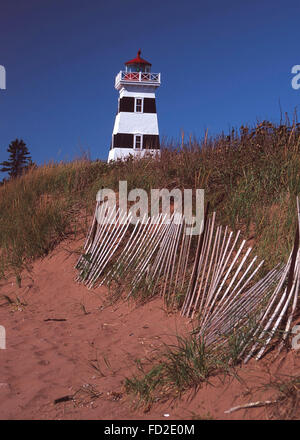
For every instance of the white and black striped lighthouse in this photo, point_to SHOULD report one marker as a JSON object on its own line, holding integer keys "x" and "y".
{"x": 136, "y": 127}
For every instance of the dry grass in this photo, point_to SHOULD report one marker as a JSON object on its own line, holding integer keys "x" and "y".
{"x": 250, "y": 177}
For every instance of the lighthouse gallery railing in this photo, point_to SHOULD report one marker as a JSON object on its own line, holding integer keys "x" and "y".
{"x": 138, "y": 77}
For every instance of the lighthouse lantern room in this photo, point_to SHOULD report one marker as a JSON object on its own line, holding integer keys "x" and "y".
{"x": 135, "y": 130}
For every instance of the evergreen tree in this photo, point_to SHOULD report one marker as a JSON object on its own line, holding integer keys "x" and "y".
{"x": 19, "y": 159}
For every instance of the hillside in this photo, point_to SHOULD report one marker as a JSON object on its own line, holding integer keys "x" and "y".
{"x": 251, "y": 179}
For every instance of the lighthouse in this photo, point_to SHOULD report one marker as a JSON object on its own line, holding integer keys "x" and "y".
{"x": 135, "y": 130}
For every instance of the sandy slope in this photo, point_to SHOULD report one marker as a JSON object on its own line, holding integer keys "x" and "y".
{"x": 52, "y": 341}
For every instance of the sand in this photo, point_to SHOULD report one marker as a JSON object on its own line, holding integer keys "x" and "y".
{"x": 65, "y": 340}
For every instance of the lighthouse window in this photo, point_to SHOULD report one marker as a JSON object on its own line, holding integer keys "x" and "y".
{"x": 138, "y": 141}
{"x": 138, "y": 105}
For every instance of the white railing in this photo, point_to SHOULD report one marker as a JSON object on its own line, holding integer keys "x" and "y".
{"x": 147, "y": 77}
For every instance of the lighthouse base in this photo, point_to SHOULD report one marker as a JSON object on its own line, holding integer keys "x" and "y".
{"x": 124, "y": 153}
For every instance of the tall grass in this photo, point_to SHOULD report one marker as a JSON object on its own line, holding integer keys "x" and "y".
{"x": 41, "y": 208}
{"x": 187, "y": 364}
{"x": 250, "y": 177}
{"x": 190, "y": 362}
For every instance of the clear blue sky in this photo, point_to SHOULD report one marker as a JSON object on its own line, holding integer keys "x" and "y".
{"x": 223, "y": 63}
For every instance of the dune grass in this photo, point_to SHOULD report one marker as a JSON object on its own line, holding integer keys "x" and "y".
{"x": 185, "y": 365}
{"x": 41, "y": 208}
{"x": 190, "y": 362}
{"x": 250, "y": 177}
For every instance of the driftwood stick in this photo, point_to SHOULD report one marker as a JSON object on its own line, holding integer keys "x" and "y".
{"x": 251, "y": 405}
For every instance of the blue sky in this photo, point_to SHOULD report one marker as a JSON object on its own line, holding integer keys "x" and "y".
{"x": 223, "y": 64}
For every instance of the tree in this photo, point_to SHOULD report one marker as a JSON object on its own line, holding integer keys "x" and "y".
{"x": 19, "y": 159}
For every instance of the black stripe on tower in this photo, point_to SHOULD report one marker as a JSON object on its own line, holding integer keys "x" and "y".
{"x": 151, "y": 142}
{"x": 125, "y": 140}
{"x": 126, "y": 104}
{"x": 149, "y": 105}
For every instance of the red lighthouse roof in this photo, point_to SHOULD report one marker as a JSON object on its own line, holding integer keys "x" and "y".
{"x": 138, "y": 60}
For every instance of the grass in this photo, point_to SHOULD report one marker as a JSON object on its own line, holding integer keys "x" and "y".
{"x": 251, "y": 177}
{"x": 40, "y": 209}
{"x": 185, "y": 365}
{"x": 16, "y": 304}
{"x": 190, "y": 362}
{"x": 287, "y": 399}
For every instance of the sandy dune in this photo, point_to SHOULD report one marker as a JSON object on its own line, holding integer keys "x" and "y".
{"x": 59, "y": 329}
